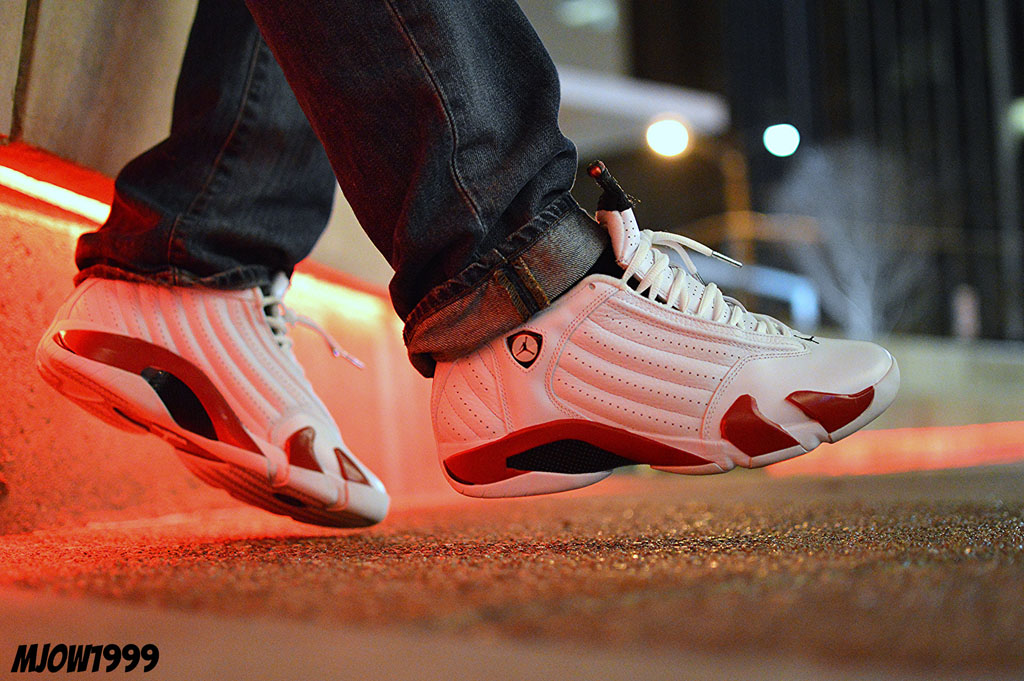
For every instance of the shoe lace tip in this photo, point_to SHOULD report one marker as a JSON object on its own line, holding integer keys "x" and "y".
{"x": 352, "y": 359}
{"x": 724, "y": 258}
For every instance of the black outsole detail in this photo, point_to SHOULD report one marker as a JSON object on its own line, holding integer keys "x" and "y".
{"x": 130, "y": 419}
{"x": 450, "y": 474}
{"x": 182, "y": 404}
{"x": 567, "y": 456}
{"x": 288, "y": 499}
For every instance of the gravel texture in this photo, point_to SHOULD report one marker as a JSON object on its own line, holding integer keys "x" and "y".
{"x": 921, "y": 571}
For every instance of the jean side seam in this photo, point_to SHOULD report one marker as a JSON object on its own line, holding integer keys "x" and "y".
{"x": 513, "y": 293}
{"x": 217, "y": 161}
{"x": 421, "y": 57}
{"x": 525, "y": 274}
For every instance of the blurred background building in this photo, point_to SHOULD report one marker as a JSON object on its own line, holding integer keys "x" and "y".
{"x": 882, "y": 141}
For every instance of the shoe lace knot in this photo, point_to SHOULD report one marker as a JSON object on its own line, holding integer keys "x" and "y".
{"x": 712, "y": 304}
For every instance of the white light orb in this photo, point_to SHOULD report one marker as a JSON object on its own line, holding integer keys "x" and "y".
{"x": 781, "y": 140}
{"x": 668, "y": 137}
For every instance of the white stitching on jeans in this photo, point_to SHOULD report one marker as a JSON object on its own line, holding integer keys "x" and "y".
{"x": 258, "y": 43}
{"x": 444, "y": 106}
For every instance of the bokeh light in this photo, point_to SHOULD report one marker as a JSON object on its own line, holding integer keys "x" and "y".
{"x": 781, "y": 140}
{"x": 668, "y": 137}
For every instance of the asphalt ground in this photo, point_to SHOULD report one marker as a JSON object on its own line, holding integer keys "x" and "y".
{"x": 919, "y": 573}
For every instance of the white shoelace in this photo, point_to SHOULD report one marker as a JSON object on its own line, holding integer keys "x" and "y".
{"x": 712, "y": 303}
{"x": 282, "y": 318}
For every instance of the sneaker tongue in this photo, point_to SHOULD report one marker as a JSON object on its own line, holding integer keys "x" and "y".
{"x": 275, "y": 289}
{"x": 279, "y": 285}
{"x": 624, "y": 233}
{"x": 615, "y": 213}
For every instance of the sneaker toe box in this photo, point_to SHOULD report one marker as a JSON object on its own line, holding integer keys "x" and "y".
{"x": 832, "y": 389}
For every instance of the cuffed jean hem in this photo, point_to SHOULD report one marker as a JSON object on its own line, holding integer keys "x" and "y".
{"x": 535, "y": 265}
{"x": 236, "y": 279}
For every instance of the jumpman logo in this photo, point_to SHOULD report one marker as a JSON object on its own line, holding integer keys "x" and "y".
{"x": 525, "y": 347}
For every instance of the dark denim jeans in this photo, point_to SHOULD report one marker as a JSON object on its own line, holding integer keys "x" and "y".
{"x": 439, "y": 120}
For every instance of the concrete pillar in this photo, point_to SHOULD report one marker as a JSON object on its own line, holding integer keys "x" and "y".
{"x": 12, "y": 19}
{"x": 102, "y": 78}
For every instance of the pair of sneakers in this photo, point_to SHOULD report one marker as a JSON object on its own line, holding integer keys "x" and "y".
{"x": 646, "y": 365}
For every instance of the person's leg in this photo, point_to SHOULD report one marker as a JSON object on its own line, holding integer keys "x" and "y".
{"x": 177, "y": 326}
{"x": 239, "y": 190}
{"x": 463, "y": 185}
{"x": 440, "y": 121}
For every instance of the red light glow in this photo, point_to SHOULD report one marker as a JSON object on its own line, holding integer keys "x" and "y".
{"x": 896, "y": 450}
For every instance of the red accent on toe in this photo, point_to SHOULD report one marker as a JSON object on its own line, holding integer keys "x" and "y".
{"x": 831, "y": 410}
{"x": 349, "y": 470}
{"x": 751, "y": 432}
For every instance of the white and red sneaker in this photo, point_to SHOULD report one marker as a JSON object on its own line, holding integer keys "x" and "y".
{"x": 651, "y": 367}
{"x": 212, "y": 373}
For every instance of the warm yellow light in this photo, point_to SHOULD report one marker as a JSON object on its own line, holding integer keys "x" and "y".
{"x": 94, "y": 210}
{"x": 668, "y": 137}
{"x": 323, "y": 300}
